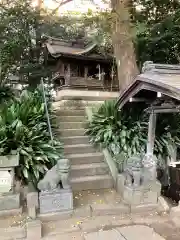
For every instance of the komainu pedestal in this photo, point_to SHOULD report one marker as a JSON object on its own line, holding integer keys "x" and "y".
{"x": 142, "y": 195}
{"x": 56, "y": 201}
{"x": 140, "y": 186}
{"x": 56, "y": 194}
{"x": 9, "y": 199}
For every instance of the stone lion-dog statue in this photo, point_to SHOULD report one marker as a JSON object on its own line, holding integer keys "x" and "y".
{"x": 56, "y": 175}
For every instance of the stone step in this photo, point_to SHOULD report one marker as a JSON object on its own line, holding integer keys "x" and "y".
{"x": 71, "y": 132}
{"x": 59, "y": 227}
{"x": 72, "y": 125}
{"x": 89, "y": 169}
{"x": 70, "y": 112}
{"x": 79, "y": 148}
{"x": 75, "y": 140}
{"x": 91, "y": 182}
{"x": 71, "y": 118}
{"x": 85, "y": 158}
{"x": 16, "y": 232}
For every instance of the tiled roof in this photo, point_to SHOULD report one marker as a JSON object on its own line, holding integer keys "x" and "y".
{"x": 58, "y": 50}
{"x": 155, "y": 77}
{"x": 76, "y": 49}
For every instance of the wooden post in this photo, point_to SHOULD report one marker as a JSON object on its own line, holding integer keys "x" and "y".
{"x": 86, "y": 75}
{"x": 151, "y": 133}
{"x": 85, "y": 72}
{"x": 68, "y": 74}
{"x": 62, "y": 69}
{"x": 149, "y": 163}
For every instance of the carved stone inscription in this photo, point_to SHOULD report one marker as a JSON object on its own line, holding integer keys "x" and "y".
{"x": 5, "y": 181}
{"x": 59, "y": 201}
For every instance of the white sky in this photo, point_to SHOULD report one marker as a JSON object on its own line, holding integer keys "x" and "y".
{"x": 77, "y": 5}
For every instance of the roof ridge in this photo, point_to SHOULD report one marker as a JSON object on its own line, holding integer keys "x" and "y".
{"x": 149, "y": 66}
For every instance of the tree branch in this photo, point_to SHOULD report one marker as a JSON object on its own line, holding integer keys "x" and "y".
{"x": 63, "y": 2}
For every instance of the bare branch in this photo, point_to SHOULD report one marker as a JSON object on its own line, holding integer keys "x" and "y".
{"x": 63, "y": 2}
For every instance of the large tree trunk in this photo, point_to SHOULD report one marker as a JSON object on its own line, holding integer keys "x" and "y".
{"x": 123, "y": 44}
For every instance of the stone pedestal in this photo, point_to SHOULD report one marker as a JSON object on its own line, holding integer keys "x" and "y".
{"x": 142, "y": 194}
{"x": 58, "y": 201}
{"x": 9, "y": 201}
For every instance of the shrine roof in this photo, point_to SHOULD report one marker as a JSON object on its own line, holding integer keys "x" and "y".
{"x": 58, "y": 48}
{"x": 162, "y": 78}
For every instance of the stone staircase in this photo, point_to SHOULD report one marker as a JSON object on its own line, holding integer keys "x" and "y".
{"x": 88, "y": 169}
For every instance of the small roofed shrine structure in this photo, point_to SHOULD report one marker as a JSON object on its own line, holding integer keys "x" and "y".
{"x": 79, "y": 66}
{"x": 159, "y": 87}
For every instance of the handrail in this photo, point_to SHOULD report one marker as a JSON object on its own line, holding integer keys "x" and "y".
{"x": 46, "y": 109}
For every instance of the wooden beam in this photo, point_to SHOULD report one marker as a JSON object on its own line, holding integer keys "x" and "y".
{"x": 167, "y": 111}
{"x": 163, "y": 109}
{"x": 139, "y": 100}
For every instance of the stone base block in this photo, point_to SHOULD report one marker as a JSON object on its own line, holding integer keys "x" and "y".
{"x": 120, "y": 184}
{"x": 55, "y": 216}
{"x": 84, "y": 211}
{"x": 11, "y": 212}
{"x": 32, "y": 204}
{"x": 109, "y": 209}
{"x": 33, "y": 230}
{"x": 142, "y": 195}
{"x": 132, "y": 196}
{"x": 59, "y": 201}
{"x": 163, "y": 205}
{"x": 10, "y": 233}
{"x": 144, "y": 208}
{"x": 175, "y": 212}
{"x": 9, "y": 201}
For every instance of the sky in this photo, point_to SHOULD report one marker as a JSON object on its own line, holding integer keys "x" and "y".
{"x": 77, "y": 5}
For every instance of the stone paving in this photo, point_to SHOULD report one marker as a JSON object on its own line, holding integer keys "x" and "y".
{"x": 105, "y": 223}
{"x": 137, "y": 232}
{"x": 83, "y": 198}
{"x": 100, "y": 226}
{"x": 98, "y": 215}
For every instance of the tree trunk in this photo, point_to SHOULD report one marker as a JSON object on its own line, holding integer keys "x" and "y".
{"x": 123, "y": 44}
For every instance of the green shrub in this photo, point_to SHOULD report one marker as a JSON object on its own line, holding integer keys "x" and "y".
{"x": 117, "y": 130}
{"x": 23, "y": 127}
{"x": 124, "y": 132}
{"x": 6, "y": 94}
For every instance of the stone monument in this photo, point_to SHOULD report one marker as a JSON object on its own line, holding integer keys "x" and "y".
{"x": 9, "y": 200}
{"x": 55, "y": 191}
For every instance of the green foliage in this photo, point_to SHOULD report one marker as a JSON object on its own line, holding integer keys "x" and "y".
{"x": 90, "y": 26}
{"x": 158, "y": 39}
{"x": 21, "y": 41}
{"x": 6, "y": 94}
{"x": 124, "y": 133}
{"x": 155, "y": 34}
{"x": 21, "y": 51}
{"x": 23, "y": 127}
{"x": 105, "y": 124}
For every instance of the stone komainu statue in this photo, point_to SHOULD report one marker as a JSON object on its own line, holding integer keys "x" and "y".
{"x": 133, "y": 171}
{"x": 140, "y": 170}
{"x": 147, "y": 66}
{"x": 56, "y": 175}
